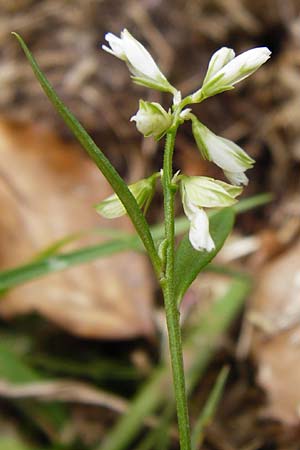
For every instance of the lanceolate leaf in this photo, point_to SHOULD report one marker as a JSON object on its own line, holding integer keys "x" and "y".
{"x": 114, "y": 179}
{"x": 209, "y": 409}
{"x": 189, "y": 262}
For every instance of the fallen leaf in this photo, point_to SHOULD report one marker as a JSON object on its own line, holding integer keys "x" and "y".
{"x": 47, "y": 190}
{"x": 65, "y": 391}
{"x": 274, "y": 318}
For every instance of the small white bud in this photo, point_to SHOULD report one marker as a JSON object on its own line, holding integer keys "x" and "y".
{"x": 152, "y": 120}
{"x": 203, "y": 192}
{"x": 224, "y": 153}
{"x": 142, "y": 190}
{"x": 224, "y": 71}
{"x": 185, "y": 114}
{"x": 139, "y": 61}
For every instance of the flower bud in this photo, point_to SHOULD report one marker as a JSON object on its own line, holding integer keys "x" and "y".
{"x": 139, "y": 61}
{"x": 224, "y": 71}
{"x": 203, "y": 192}
{"x": 142, "y": 190}
{"x": 224, "y": 153}
{"x": 152, "y": 120}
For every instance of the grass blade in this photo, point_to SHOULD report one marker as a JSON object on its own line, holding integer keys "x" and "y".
{"x": 209, "y": 409}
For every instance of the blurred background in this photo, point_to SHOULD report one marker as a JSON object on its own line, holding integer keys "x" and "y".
{"x": 76, "y": 346}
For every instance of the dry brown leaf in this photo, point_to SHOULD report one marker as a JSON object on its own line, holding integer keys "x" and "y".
{"x": 65, "y": 391}
{"x": 274, "y": 319}
{"x": 47, "y": 191}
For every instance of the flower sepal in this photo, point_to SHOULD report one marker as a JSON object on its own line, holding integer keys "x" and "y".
{"x": 142, "y": 190}
{"x": 152, "y": 119}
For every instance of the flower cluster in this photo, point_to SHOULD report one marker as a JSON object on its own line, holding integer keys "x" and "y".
{"x": 197, "y": 192}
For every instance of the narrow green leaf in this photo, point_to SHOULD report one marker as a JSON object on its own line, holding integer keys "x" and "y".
{"x": 209, "y": 409}
{"x": 189, "y": 262}
{"x": 21, "y": 274}
{"x": 246, "y": 204}
{"x": 112, "y": 176}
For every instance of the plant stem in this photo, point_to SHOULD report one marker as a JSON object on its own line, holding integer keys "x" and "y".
{"x": 172, "y": 313}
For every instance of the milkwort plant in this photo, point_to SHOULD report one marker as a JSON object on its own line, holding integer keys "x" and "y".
{"x": 175, "y": 268}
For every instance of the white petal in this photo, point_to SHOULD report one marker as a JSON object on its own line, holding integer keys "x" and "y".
{"x": 199, "y": 232}
{"x": 189, "y": 208}
{"x": 116, "y": 46}
{"x": 139, "y": 58}
{"x": 236, "y": 178}
{"x": 218, "y": 60}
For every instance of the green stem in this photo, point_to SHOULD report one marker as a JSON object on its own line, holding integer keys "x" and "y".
{"x": 172, "y": 313}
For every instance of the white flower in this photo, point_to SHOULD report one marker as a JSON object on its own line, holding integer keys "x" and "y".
{"x": 139, "y": 61}
{"x": 224, "y": 71}
{"x": 142, "y": 190}
{"x": 152, "y": 120}
{"x": 203, "y": 192}
{"x": 224, "y": 153}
